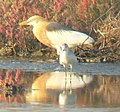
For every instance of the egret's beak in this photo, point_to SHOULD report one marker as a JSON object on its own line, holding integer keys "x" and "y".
{"x": 23, "y": 23}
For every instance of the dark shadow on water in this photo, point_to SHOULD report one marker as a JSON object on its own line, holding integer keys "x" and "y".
{"x": 60, "y": 89}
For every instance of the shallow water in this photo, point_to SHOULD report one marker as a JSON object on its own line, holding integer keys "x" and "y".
{"x": 93, "y": 87}
{"x": 42, "y": 66}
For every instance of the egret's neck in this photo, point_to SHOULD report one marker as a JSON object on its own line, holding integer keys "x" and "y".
{"x": 39, "y": 27}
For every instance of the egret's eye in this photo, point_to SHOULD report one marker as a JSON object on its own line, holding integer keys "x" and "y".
{"x": 65, "y": 44}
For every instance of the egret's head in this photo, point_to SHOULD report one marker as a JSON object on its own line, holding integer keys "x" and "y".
{"x": 34, "y": 20}
{"x": 61, "y": 48}
{"x": 64, "y": 47}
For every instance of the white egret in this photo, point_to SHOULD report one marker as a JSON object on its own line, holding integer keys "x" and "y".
{"x": 53, "y": 34}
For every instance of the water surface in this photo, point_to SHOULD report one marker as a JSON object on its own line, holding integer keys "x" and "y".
{"x": 44, "y": 66}
{"x": 43, "y": 86}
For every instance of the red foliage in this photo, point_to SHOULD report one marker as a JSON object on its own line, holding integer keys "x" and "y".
{"x": 23, "y": 9}
{"x": 78, "y": 15}
{"x": 58, "y": 5}
{"x": 8, "y": 77}
{"x": 11, "y": 78}
{"x": 1, "y": 27}
{"x": 18, "y": 77}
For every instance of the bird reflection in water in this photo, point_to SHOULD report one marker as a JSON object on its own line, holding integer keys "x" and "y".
{"x": 67, "y": 96}
{"x": 54, "y": 84}
{"x": 51, "y": 88}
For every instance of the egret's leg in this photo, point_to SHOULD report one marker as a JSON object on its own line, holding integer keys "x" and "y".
{"x": 70, "y": 83}
{"x": 83, "y": 79}
{"x": 65, "y": 77}
{"x": 71, "y": 68}
{"x": 65, "y": 70}
{"x": 71, "y": 79}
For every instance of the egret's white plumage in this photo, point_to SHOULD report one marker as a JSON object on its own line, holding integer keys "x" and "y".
{"x": 71, "y": 38}
{"x": 67, "y": 57}
{"x": 54, "y": 34}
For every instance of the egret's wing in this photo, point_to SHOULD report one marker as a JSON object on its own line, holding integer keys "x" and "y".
{"x": 58, "y": 34}
{"x": 54, "y": 26}
{"x": 71, "y": 57}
